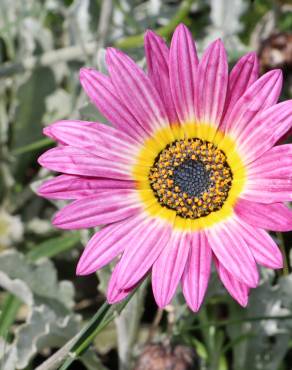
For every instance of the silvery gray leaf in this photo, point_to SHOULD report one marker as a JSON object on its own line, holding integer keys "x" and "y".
{"x": 40, "y": 278}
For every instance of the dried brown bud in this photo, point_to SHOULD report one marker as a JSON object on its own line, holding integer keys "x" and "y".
{"x": 276, "y": 52}
{"x": 166, "y": 357}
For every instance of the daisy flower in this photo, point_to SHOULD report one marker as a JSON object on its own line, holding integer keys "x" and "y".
{"x": 187, "y": 175}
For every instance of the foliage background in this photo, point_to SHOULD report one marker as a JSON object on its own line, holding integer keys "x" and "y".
{"x": 43, "y": 43}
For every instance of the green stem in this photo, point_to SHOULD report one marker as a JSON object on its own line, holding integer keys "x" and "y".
{"x": 9, "y": 311}
{"x": 34, "y": 146}
{"x": 98, "y": 322}
{"x": 205, "y": 327}
{"x": 214, "y": 357}
{"x": 283, "y": 250}
{"x": 137, "y": 40}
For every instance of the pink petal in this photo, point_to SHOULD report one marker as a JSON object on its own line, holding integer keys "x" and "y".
{"x": 107, "y": 244}
{"x": 275, "y": 163}
{"x": 183, "y": 63}
{"x": 275, "y": 216}
{"x": 211, "y": 84}
{"x": 197, "y": 271}
{"x": 157, "y": 55}
{"x": 265, "y": 130}
{"x": 238, "y": 290}
{"x": 142, "y": 251}
{"x": 75, "y": 187}
{"x": 260, "y": 95}
{"x": 114, "y": 294}
{"x": 106, "y": 207}
{"x": 233, "y": 252}
{"x": 99, "y": 139}
{"x": 262, "y": 246}
{"x": 102, "y": 93}
{"x": 244, "y": 73}
{"x": 168, "y": 268}
{"x": 136, "y": 91}
{"x": 268, "y": 190}
{"x": 75, "y": 161}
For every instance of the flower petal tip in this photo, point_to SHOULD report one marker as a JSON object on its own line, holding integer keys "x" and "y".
{"x": 278, "y": 265}
{"x": 194, "y": 308}
{"x": 84, "y": 73}
{"x": 42, "y": 190}
{"x": 243, "y": 302}
{"x": 149, "y": 34}
{"x": 42, "y": 160}
{"x": 113, "y": 298}
{"x": 81, "y": 270}
{"x": 251, "y": 56}
{"x": 276, "y": 74}
{"x": 112, "y": 52}
{"x": 160, "y": 304}
{"x": 253, "y": 283}
{"x": 47, "y": 131}
{"x": 59, "y": 222}
{"x": 182, "y": 28}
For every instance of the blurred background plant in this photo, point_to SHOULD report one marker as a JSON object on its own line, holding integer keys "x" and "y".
{"x": 49, "y": 318}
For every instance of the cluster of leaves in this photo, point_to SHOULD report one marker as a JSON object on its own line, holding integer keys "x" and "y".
{"x": 43, "y": 43}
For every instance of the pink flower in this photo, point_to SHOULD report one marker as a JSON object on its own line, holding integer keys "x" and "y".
{"x": 189, "y": 173}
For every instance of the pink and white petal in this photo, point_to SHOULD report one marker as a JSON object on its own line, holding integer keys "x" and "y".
{"x": 233, "y": 252}
{"x": 114, "y": 294}
{"x": 268, "y": 190}
{"x": 76, "y": 187}
{"x": 107, "y": 244}
{"x": 262, "y": 94}
{"x": 211, "y": 84}
{"x": 263, "y": 132}
{"x": 75, "y": 161}
{"x": 262, "y": 246}
{"x": 169, "y": 266}
{"x": 103, "y": 208}
{"x": 136, "y": 91}
{"x": 275, "y": 163}
{"x": 145, "y": 247}
{"x": 183, "y": 62}
{"x": 238, "y": 290}
{"x": 157, "y": 56}
{"x": 101, "y": 92}
{"x": 275, "y": 216}
{"x": 99, "y": 139}
{"x": 243, "y": 74}
{"x": 197, "y": 271}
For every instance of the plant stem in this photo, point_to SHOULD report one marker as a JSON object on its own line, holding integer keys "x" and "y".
{"x": 79, "y": 344}
{"x": 128, "y": 327}
{"x": 9, "y": 311}
{"x": 283, "y": 250}
{"x": 137, "y": 40}
{"x": 33, "y": 146}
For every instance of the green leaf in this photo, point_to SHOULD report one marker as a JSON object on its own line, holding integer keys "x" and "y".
{"x": 27, "y": 127}
{"x": 53, "y": 247}
{"x": 48, "y": 248}
{"x": 200, "y": 348}
{"x": 9, "y": 311}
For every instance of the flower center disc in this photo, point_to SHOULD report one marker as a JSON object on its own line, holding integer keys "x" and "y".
{"x": 192, "y": 177}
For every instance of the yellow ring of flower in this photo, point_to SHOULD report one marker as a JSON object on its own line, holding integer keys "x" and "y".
{"x": 157, "y": 142}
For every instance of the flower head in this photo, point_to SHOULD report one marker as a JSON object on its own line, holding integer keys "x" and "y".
{"x": 189, "y": 173}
